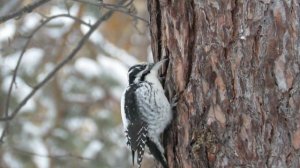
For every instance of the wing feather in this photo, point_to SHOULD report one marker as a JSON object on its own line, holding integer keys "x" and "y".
{"x": 136, "y": 129}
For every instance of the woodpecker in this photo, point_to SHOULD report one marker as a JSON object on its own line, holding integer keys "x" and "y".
{"x": 146, "y": 111}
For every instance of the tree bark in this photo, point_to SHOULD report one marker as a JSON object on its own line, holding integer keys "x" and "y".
{"x": 235, "y": 66}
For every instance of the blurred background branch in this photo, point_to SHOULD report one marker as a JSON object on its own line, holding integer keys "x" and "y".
{"x": 27, "y": 9}
{"x": 52, "y": 73}
{"x": 59, "y": 108}
{"x": 116, "y": 8}
{"x": 68, "y": 155}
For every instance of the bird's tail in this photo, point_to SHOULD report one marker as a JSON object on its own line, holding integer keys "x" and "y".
{"x": 157, "y": 153}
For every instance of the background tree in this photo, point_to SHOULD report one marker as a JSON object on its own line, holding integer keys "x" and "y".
{"x": 235, "y": 65}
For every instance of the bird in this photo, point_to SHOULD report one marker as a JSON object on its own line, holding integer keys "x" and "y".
{"x": 145, "y": 111}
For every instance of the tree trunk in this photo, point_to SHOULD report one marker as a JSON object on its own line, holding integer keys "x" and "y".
{"x": 235, "y": 66}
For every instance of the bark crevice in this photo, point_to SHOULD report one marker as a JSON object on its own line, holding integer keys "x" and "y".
{"x": 237, "y": 66}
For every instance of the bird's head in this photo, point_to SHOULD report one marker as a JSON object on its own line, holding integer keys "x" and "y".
{"x": 138, "y": 72}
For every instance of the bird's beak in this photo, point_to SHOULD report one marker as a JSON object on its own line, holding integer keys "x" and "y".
{"x": 159, "y": 64}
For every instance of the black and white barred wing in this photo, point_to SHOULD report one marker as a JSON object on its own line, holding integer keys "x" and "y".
{"x": 135, "y": 126}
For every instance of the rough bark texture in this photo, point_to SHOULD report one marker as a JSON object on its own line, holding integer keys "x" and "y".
{"x": 235, "y": 65}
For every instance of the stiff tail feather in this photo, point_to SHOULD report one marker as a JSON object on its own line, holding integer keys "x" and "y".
{"x": 156, "y": 153}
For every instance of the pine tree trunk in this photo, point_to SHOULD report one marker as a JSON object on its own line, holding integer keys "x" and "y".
{"x": 235, "y": 65}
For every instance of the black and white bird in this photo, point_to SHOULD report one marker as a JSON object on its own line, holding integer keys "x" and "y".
{"x": 146, "y": 111}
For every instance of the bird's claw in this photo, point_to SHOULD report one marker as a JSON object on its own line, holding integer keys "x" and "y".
{"x": 174, "y": 100}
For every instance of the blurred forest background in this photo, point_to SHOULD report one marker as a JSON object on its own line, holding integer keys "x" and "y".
{"x": 74, "y": 119}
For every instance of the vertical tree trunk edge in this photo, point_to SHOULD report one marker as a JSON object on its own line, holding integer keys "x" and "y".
{"x": 235, "y": 65}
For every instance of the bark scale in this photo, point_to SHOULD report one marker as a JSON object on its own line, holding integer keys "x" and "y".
{"x": 235, "y": 65}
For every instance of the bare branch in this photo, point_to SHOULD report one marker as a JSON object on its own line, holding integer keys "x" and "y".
{"x": 25, "y": 48}
{"x": 116, "y": 8}
{"x": 20, "y": 12}
{"x": 4, "y": 132}
{"x": 129, "y": 3}
{"x": 7, "y": 103}
{"x": 57, "y": 68}
{"x": 68, "y": 155}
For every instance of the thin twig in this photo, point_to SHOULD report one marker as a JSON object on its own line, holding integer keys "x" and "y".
{"x": 56, "y": 69}
{"x": 129, "y": 3}
{"x": 59, "y": 66}
{"x": 7, "y": 103}
{"x": 69, "y": 155}
{"x": 25, "y": 48}
{"x": 20, "y": 12}
{"x": 115, "y": 8}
